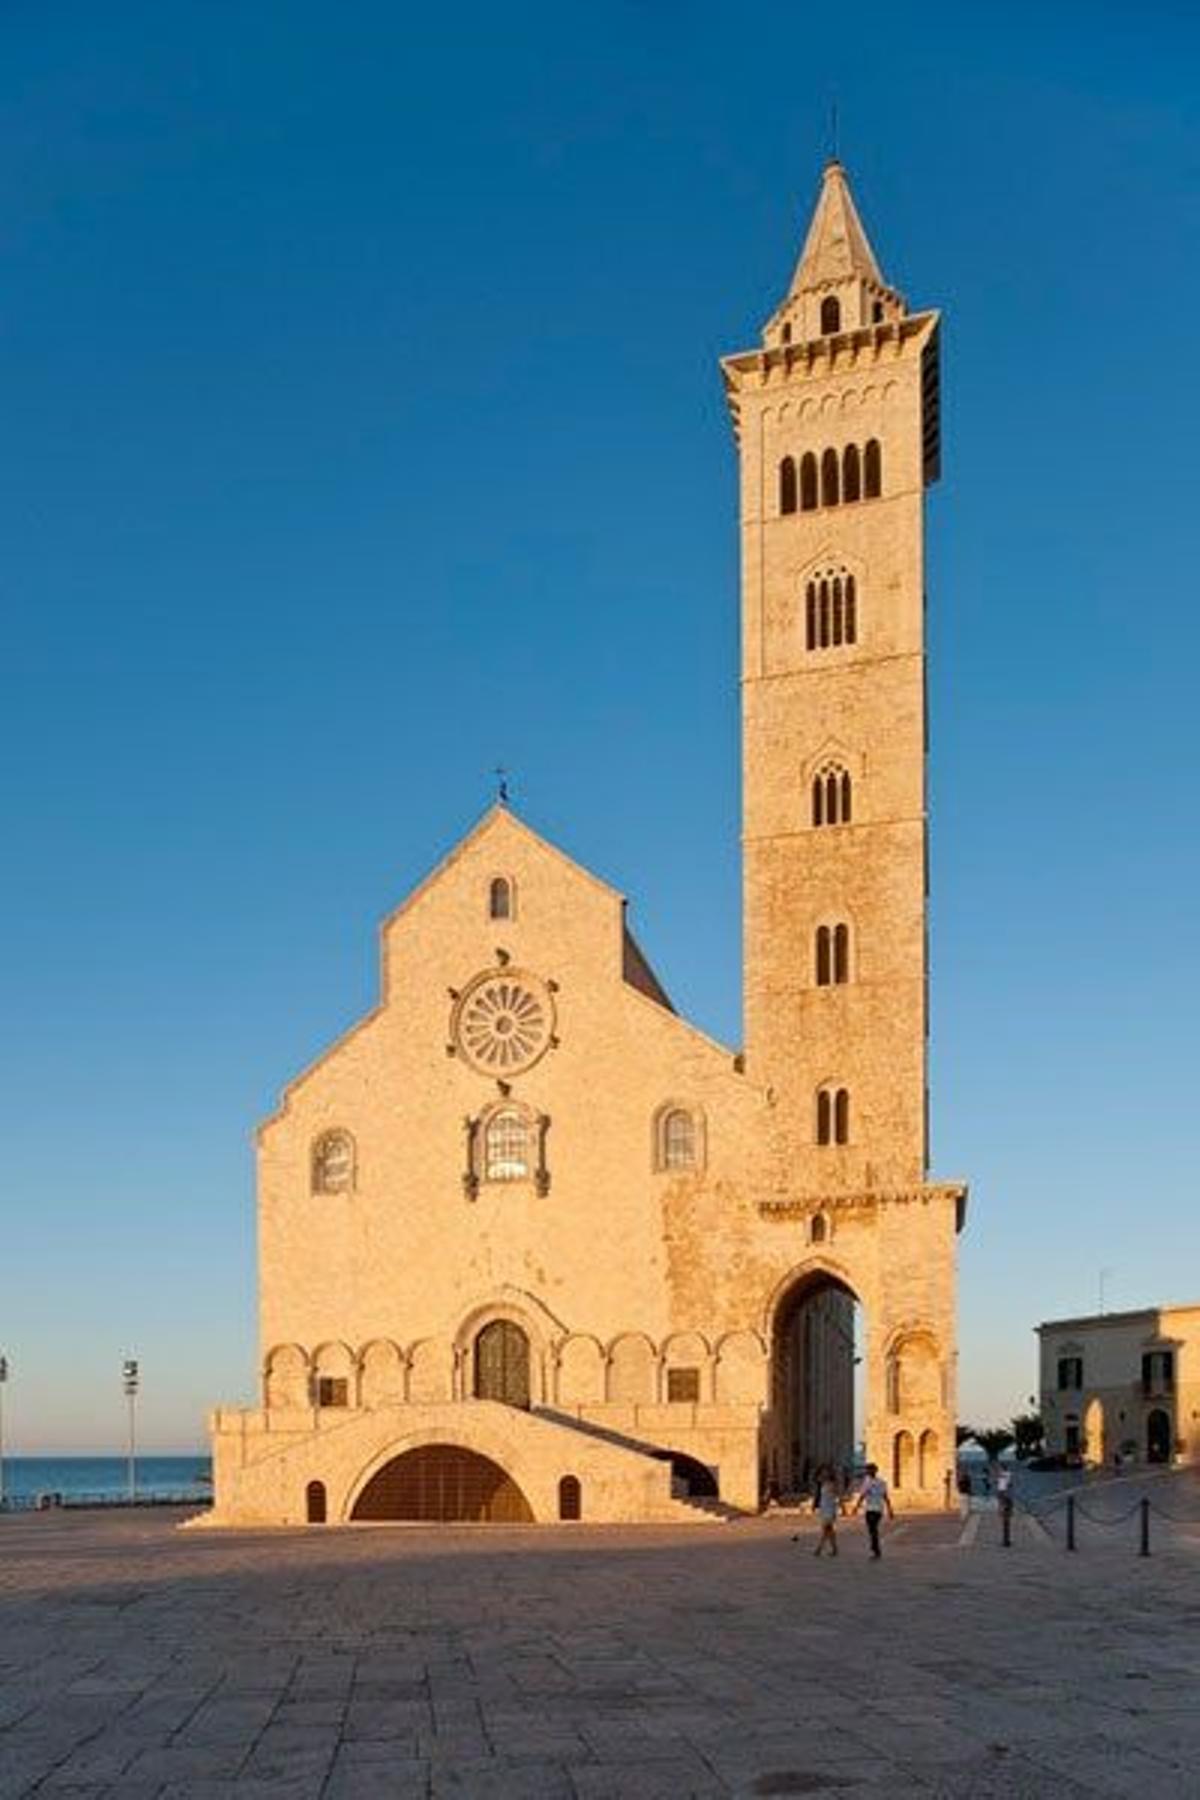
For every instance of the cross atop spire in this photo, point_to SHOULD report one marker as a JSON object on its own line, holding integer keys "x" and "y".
{"x": 836, "y": 246}
{"x": 837, "y": 285}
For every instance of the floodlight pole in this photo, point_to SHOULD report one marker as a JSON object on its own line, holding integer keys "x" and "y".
{"x": 130, "y": 1377}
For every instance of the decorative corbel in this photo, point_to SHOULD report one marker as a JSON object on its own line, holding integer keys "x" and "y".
{"x": 470, "y": 1180}
{"x": 541, "y": 1178}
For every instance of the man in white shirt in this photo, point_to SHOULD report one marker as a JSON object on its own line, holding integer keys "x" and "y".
{"x": 873, "y": 1501}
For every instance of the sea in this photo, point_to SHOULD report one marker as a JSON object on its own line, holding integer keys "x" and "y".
{"x": 31, "y": 1481}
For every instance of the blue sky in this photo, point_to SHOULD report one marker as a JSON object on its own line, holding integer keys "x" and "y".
{"x": 362, "y": 427}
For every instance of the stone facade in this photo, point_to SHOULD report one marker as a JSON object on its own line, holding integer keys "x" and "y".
{"x": 524, "y": 1217}
{"x": 1122, "y": 1387}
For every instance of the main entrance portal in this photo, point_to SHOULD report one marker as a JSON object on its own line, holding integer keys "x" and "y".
{"x": 443, "y": 1483}
{"x": 502, "y": 1364}
{"x": 813, "y": 1359}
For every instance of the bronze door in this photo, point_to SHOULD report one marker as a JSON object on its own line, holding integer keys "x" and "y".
{"x": 445, "y": 1484}
{"x": 502, "y": 1364}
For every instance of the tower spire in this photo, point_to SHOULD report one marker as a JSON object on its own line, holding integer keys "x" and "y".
{"x": 836, "y": 247}
{"x": 837, "y": 285}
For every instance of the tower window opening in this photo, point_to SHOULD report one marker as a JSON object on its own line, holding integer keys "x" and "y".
{"x": 785, "y": 334}
{"x": 877, "y": 312}
{"x": 851, "y": 474}
{"x": 830, "y": 610}
{"x": 829, "y": 478}
{"x": 872, "y": 470}
{"x": 833, "y": 1116}
{"x": 831, "y": 795}
{"x": 808, "y": 482}
{"x": 831, "y": 315}
{"x": 832, "y": 958}
{"x": 787, "y": 485}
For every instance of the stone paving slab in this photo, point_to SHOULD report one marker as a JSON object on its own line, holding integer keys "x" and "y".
{"x": 140, "y": 1662}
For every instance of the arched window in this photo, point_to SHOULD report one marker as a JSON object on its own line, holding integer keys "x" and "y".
{"x": 829, "y": 478}
{"x": 570, "y": 1498}
{"x": 831, "y": 795}
{"x": 333, "y": 1163}
{"x": 787, "y": 485}
{"x": 818, "y": 1230}
{"x": 506, "y": 1146}
{"x": 872, "y": 470}
{"x": 831, "y": 315}
{"x": 851, "y": 474}
{"x": 500, "y": 898}
{"x": 833, "y": 1115}
{"x": 678, "y": 1140}
{"x": 830, "y": 609}
{"x": 314, "y": 1503}
{"x": 832, "y": 955}
{"x": 808, "y": 482}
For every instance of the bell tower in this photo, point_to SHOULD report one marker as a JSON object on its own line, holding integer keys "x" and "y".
{"x": 836, "y": 417}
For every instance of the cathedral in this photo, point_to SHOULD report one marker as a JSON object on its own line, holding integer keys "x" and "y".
{"x": 533, "y": 1247}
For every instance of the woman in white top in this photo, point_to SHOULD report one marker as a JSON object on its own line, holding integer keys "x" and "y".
{"x": 827, "y": 1503}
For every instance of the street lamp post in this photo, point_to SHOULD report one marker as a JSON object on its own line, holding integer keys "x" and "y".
{"x": 3, "y": 1379}
{"x": 130, "y": 1374}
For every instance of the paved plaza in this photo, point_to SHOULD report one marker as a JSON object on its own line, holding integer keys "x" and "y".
{"x": 137, "y": 1660}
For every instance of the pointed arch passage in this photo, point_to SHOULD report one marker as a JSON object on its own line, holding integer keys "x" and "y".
{"x": 927, "y": 1459}
{"x": 446, "y": 1484}
{"x": 808, "y": 482}
{"x": 816, "y": 1333}
{"x": 902, "y": 1459}
{"x": 787, "y": 485}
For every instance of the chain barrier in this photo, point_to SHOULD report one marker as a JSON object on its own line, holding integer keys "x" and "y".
{"x": 1046, "y": 1513}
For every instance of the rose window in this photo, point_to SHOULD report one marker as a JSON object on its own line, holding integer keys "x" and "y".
{"x": 503, "y": 1022}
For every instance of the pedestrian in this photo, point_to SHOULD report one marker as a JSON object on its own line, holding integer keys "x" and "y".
{"x": 873, "y": 1501}
{"x": 827, "y": 1503}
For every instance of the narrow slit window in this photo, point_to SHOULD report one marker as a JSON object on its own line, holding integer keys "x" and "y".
{"x": 851, "y": 474}
{"x": 872, "y": 470}
{"x": 787, "y": 485}
{"x": 829, "y": 478}
{"x": 808, "y": 482}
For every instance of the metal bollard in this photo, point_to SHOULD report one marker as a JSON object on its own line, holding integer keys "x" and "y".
{"x": 1006, "y": 1526}
{"x": 1070, "y": 1521}
{"x": 1144, "y": 1549}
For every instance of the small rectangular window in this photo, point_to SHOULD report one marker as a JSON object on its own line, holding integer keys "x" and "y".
{"x": 333, "y": 1390}
{"x": 1070, "y": 1373}
{"x": 683, "y": 1386}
